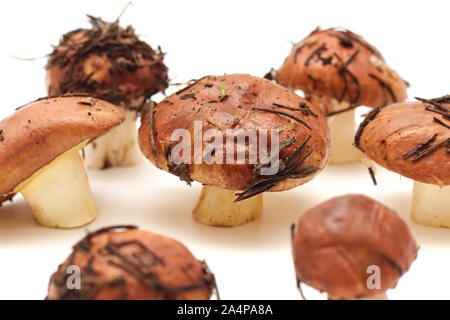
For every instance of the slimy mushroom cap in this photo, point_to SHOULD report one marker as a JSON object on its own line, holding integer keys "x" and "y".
{"x": 336, "y": 241}
{"x": 410, "y": 138}
{"x": 337, "y": 69}
{"x": 123, "y": 262}
{"x": 238, "y": 102}
{"x": 39, "y": 132}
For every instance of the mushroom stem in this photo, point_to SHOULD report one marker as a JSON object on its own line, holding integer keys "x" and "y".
{"x": 431, "y": 205}
{"x": 215, "y": 207}
{"x": 59, "y": 193}
{"x": 116, "y": 148}
{"x": 377, "y": 296}
{"x": 342, "y": 127}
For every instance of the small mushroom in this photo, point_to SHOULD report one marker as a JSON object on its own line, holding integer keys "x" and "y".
{"x": 413, "y": 139}
{"x": 125, "y": 263}
{"x": 111, "y": 63}
{"x": 352, "y": 247}
{"x": 236, "y": 106}
{"x": 39, "y": 156}
{"x": 338, "y": 71}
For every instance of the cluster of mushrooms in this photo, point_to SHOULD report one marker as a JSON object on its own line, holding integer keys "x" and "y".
{"x": 100, "y": 82}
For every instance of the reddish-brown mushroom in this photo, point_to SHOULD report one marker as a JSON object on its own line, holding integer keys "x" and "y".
{"x": 338, "y": 70}
{"x": 39, "y": 156}
{"x": 110, "y": 63}
{"x": 352, "y": 247}
{"x": 123, "y": 262}
{"x": 238, "y": 109}
{"x": 413, "y": 139}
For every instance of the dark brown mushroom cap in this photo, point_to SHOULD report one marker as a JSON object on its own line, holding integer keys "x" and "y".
{"x": 39, "y": 132}
{"x": 231, "y": 102}
{"x": 107, "y": 62}
{"x": 132, "y": 264}
{"x": 410, "y": 138}
{"x": 337, "y": 64}
{"x": 339, "y": 239}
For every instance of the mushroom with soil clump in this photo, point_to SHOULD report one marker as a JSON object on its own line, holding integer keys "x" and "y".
{"x": 39, "y": 156}
{"x": 338, "y": 71}
{"x": 110, "y": 63}
{"x": 237, "y": 113}
{"x": 352, "y": 247}
{"x": 413, "y": 139}
{"x": 125, "y": 263}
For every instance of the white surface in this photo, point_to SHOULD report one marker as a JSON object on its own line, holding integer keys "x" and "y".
{"x": 215, "y": 37}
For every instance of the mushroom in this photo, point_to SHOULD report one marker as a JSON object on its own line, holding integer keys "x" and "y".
{"x": 352, "y": 247}
{"x": 413, "y": 139}
{"x": 125, "y": 263}
{"x": 109, "y": 63}
{"x": 338, "y": 71}
{"x": 40, "y": 158}
{"x": 236, "y": 112}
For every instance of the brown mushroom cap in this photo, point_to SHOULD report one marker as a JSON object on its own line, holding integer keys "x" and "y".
{"x": 410, "y": 139}
{"x": 132, "y": 264}
{"x": 339, "y": 239}
{"x": 339, "y": 64}
{"x": 107, "y": 62}
{"x": 204, "y": 101}
{"x": 39, "y": 132}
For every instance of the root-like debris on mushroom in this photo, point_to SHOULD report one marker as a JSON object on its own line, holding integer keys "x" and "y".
{"x": 125, "y": 263}
{"x": 338, "y": 71}
{"x": 110, "y": 63}
{"x": 407, "y": 138}
{"x": 236, "y": 113}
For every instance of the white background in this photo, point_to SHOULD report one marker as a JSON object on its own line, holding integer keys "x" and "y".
{"x": 216, "y": 37}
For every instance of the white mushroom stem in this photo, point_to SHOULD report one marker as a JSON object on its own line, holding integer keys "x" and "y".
{"x": 431, "y": 205}
{"x": 378, "y": 296}
{"x": 116, "y": 148}
{"x": 342, "y": 127}
{"x": 215, "y": 207}
{"x": 59, "y": 193}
